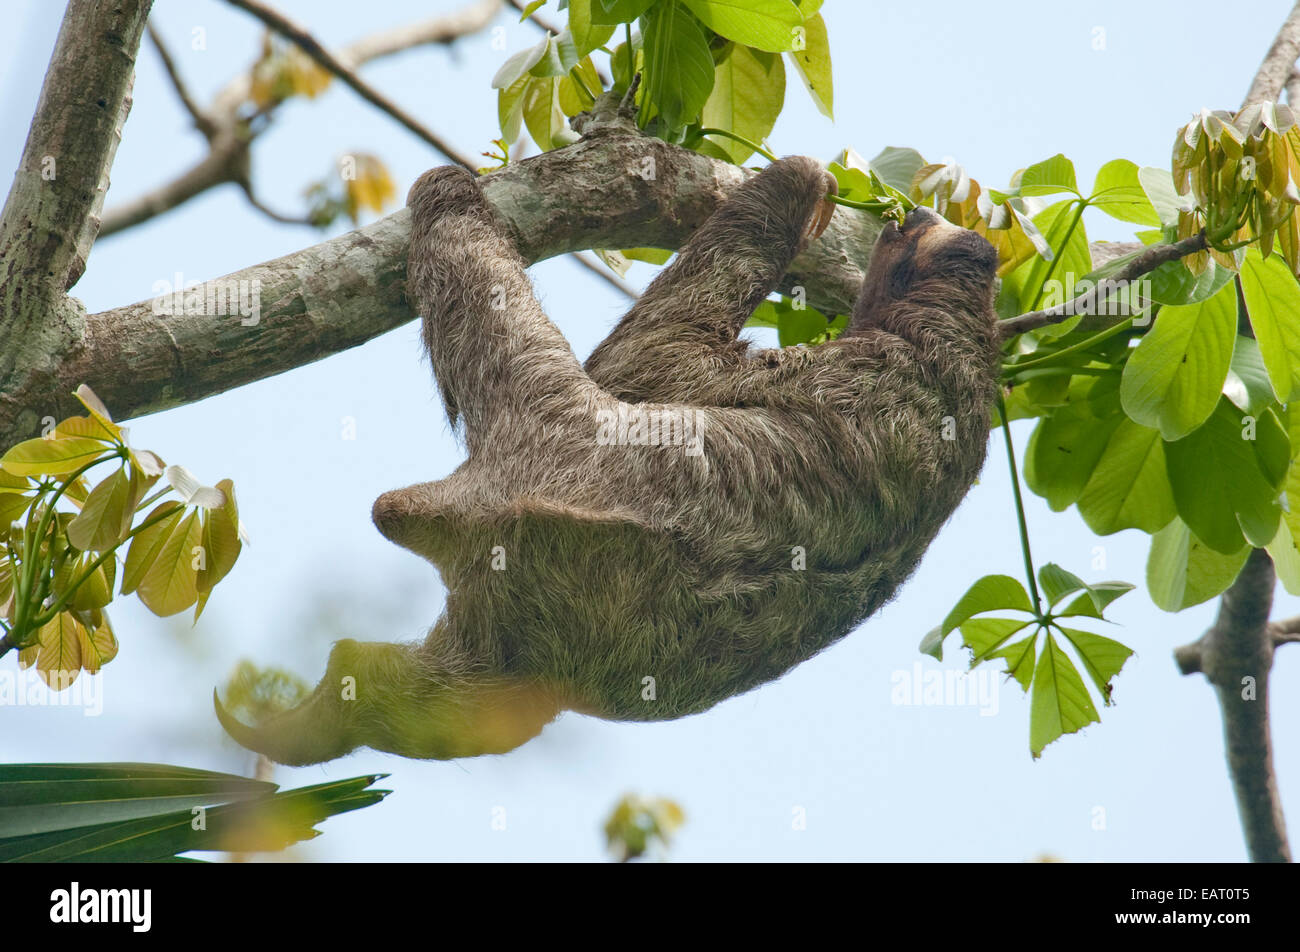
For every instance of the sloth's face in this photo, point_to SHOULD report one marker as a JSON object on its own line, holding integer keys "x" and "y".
{"x": 928, "y": 246}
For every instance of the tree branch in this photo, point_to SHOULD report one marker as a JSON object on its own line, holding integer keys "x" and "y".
{"x": 202, "y": 121}
{"x": 1087, "y": 302}
{"x": 613, "y": 189}
{"x": 329, "y": 62}
{"x": 1235, "y": 656}
{"x": 1278, "y": 63}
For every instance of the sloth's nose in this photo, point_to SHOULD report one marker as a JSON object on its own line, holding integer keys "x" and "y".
{"x": 920, "y": 217}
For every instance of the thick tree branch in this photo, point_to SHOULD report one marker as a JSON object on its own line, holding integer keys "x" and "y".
{"x": 1235, "y": 656}
{"x": 1278, "y": 63}
{"x": 613, "y": 189}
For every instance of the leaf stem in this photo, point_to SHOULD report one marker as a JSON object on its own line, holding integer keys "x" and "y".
{"x": 1020, "y": 509}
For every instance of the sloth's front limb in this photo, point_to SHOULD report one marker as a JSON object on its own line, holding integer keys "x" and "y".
{"x": 666, "y": 344}
{"x": 404, "y": 700}
{"x": 497, "y": 358}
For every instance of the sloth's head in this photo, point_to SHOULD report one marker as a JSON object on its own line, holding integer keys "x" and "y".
{"x": 928, "y": 248}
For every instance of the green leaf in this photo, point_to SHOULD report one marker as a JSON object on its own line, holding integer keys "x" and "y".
{"x": 1066, "y": 447}
{"x": 1273, "y": 303}
{"x": 1247, "y": 385}
{"x": 982, "y": 635}
{"x": 1174, "y": 378}
{"x": 678, "y": 74}
{"x": 1118, "y": 192}
{"x": 1172, "y": 283}
{"x": 531, "y": 9}
{"x": 587, "y": 34}
{"x": 813, "y": 63}
{"x": 1020, "y": 658}
{"x": 1056, "y": 223}
{"x": 1102, "y": 657}
{"x": 1048, "y": 177}
{"x": 618, "y": 11}
{"x": 55, "y": 457}
{"x": 1055, "y": 583}
{"x": 1060, "y": 703}
{"x": 1218, "y": 479}
{"x": 264, "y": 821}
{"x": 1283, "y": 548}
{"x": 510, "y": 107}
{"x": 771, "y": 25}
{"x": 39, "y": 798}
{"x": 542, "y": 113}
{"x": 748, "y": 93}
{"x": 1183, "y": 571}
{"x": 1128, "y": 488}
{"x": 1092, "y": 603}
{"x": 989, "y": 593}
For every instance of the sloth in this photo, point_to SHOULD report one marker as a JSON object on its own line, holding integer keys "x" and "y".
{"x": 683, "y": 518}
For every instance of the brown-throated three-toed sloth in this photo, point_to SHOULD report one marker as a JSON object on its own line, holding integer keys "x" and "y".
{"x": 682, "y": 519}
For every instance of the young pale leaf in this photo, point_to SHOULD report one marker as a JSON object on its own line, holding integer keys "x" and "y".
{"x": 1217, "y": 474}
{"x": 1159, "y": 188}
{"x": 897, "y": 167}
{"x": 1128, "y": 488}
{"x": 771, "y": 25}
{"x": 56, "y": 457}
{"x": 1173, "y": 283}
{"x": 98, "y": 647}
{"x": 105, "y": 516}
{"x": 58, "y": 661}
{"x": 1174, "y": 378}
{"x": 148, "y": 541}
{"x": 1272, "y": 302}
{"x": 518, "y": 65}
{"x": 1183, "y": 571}
{"x": 1060, "y": 703}
{"x": 813, "y": 63}
{"x": 171, "y": 583}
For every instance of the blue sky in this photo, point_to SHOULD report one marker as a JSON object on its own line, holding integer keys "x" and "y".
{"x": 995, "y": 86}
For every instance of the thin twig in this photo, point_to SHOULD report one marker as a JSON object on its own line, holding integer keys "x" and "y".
{"x": 327, "y": 61}
{"x": 202, "y": 121}
{"x": 271, "y": 213}
{"x": 603, "y": 272}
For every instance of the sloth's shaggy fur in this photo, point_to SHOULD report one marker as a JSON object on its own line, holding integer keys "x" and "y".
{"x": 577, "y": 567}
